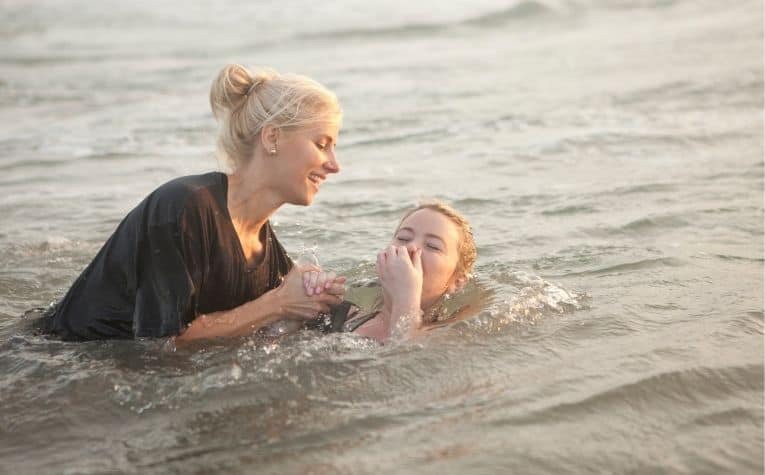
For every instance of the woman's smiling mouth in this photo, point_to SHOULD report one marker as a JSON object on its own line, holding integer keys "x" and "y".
{"x": 316, "y": 179}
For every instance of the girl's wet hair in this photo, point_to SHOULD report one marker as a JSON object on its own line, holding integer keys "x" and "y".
{"x": 245, "y": 102}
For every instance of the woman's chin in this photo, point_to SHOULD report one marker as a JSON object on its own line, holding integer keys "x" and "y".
{"x": 306, "y": 200}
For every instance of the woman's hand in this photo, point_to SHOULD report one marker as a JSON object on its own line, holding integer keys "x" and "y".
{"x": 294, "y": 300}
{"x": 288, "y": 301}
{"x": 400, "y": 272}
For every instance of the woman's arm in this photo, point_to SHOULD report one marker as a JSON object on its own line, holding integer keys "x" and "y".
{"x": 289, "y": 300}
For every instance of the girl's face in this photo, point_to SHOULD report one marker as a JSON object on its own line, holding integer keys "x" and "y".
{"x": 438, "y": 237}
{"x": 304, "y": 159}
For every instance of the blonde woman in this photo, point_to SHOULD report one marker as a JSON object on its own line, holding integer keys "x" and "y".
{"x": 197, "y": 258}
{"x": 432, "y": 254}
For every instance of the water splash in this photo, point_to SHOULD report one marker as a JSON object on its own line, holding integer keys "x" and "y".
{"x": 534, "y": 299}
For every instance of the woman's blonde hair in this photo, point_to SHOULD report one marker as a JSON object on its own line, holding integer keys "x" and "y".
{"x": 466, "y": 246}
{"x": 244, "y": 103}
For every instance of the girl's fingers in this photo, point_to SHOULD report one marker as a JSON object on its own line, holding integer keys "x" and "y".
{"x": 330, "y": 278}
{"x": 417, "y": 259}
{"x": 312, "y": 282}
{"x": 320, "y": 281}
{"x": 404, "y": 253}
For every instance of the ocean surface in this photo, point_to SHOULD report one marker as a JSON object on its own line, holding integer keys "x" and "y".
{"x": 609, "y": 154}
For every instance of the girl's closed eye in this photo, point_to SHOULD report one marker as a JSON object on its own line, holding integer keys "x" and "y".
{"x": 403, "y": 239}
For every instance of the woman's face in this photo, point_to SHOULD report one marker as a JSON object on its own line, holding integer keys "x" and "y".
{"x": 438, "y": 238}
{"x": 304, "y": 159}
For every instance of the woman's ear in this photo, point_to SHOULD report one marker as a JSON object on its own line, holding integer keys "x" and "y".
{"x": 269, "y": 137}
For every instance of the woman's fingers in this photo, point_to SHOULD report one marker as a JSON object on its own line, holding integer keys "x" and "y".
{"x": 336, "y": 288}
{"x": 327, "y": 299}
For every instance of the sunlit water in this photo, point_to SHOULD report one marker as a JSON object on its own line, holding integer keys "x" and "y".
{"x": 608, "y": 153}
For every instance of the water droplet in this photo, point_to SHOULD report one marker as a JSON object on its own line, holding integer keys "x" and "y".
{"x": 236, "y": 371}
{"x": 308, "y": 257}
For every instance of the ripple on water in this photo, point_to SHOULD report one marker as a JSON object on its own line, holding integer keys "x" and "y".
{"x": 689, "y": 387}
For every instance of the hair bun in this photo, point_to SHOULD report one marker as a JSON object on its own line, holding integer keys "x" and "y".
{"x": 260, "y": 78}
{"x": 230, "y": 88}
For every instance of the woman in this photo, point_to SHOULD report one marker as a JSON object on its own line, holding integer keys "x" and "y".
{"x": 431, "y": 255}
{"x": 198, "y": 258}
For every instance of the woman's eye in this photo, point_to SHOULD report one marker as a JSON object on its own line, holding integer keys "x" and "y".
{"x": 401, "y": 239}
{"x": 433, "y": 246}
{"x": 322, "y": 146}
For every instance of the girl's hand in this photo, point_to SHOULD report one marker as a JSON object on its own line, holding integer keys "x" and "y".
{"x": 400, "y": 272}
{"x": 317, "y": 282}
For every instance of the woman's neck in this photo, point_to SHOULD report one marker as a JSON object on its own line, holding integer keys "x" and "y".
{"x": 250, "y": 204}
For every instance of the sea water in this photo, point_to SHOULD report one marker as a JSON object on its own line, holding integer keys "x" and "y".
{"x": 608, "y": 153}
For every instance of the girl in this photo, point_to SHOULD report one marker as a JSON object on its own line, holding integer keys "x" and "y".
{"x": 432, "y": 254}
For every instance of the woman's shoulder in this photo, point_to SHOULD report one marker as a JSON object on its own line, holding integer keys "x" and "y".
{"x": 181, "y": 188}
{"x": 197, "y": 192}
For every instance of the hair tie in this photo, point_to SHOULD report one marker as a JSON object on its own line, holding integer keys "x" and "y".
{"x": 255, "y": 83}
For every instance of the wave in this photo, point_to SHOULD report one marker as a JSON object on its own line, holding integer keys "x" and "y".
{"x": 569, "y": 210}
{"x": 730, "y": 257}
{"x": 397, "y": 138}
{"x": 643, "y": 188}
{"x": 680, "y": 92}
{"x": 680, "y": 387}
{"x": 649, "y": 224}
{"x": 494, "y": 19}
{"x": 607, "y": 141}
{"x": 640, "y": 227}
{"x": 628, "y": 267}
{"x": 520, "y": 11}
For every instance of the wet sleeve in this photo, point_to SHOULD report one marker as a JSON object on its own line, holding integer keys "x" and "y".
{"x": 166, "y": 293}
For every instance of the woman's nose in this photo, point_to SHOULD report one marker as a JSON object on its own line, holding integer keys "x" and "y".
{"x": 332, "y": 165}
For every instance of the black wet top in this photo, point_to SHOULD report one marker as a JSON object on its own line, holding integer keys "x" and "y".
{"x": 175, "y": 256}
{"x": 344, "y": 317}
